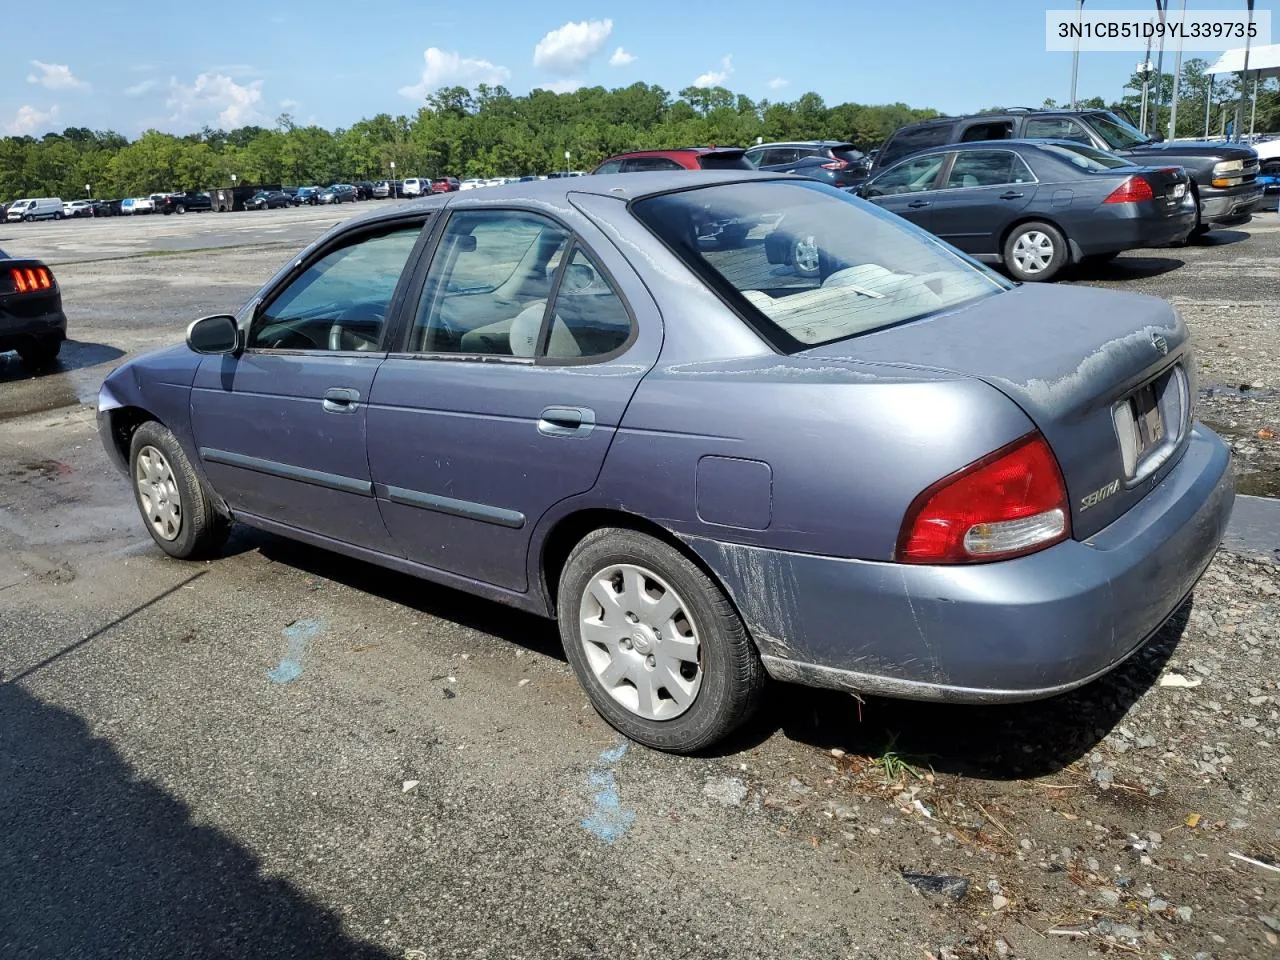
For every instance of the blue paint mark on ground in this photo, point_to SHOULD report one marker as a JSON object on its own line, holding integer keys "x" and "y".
{"x": 296, "y": 635}
{"x": 608, "y": 820}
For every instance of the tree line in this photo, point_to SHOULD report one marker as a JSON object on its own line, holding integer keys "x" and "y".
{"x": 485, "y": 132}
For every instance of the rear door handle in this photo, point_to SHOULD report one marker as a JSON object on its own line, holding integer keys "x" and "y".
{"x": 919, "y": 203}
{"x": 341, "y": 400}
{"x": 566, "y": 422}
{"x": 1010, "y": 195}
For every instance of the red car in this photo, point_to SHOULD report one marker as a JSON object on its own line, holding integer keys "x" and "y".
{"x": 682, "y": 158}
{"x": 445, "y": 184}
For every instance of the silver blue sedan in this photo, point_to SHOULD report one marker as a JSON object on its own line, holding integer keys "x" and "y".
{"x": 877, "y": 467}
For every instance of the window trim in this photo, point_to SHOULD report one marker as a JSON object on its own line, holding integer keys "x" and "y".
{"x": 347, "y": 238}
{"x": 427, "y": 260}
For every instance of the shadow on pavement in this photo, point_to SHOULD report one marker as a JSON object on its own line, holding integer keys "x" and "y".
{"x": 96, "y": 862}
{"x": 1219, "y": 238}
{"x": 1126, "y": 268}
{"x": 1006, "y": 742}
{"x": 75, "y": 355}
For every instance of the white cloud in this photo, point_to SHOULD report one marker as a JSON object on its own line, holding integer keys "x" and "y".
{"x": 714, "y": 78}
{"x": 567, "y": 85}
{"x": 777, "y": 83}
{"x": 55, "y": 76}
{"x": 30, "y": 120}
{"x": 288, "y": 104}
{"x": 138, "y": 89}
{"x": 216, "y": 98}
{"x": 567, "y": 48}
{"x": 621, "y": 58}
{"x": 444, "y": 68}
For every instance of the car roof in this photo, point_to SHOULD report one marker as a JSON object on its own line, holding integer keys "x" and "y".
{"x": 700, "y": 151}
{"x": 803, "y": 143}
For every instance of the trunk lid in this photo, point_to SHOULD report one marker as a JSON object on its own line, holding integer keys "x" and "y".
{"x": 1105, "y": 376}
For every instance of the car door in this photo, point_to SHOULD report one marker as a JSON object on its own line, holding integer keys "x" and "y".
{"x": 907, "y": 189}
{"x": 525, "y": 347}
{"x": 984, "y": 191}
{"x": 280, "y": 427}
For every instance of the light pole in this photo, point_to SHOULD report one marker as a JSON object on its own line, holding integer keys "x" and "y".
{"x": 1208, "y": 105}
{"x": 1244, "y": 79}
{"x": 1162, "y": 7}
{"x": 1177, "y": 81}
{"x": 395, "y": 194}
{"x": 566, "y": 163}
{"x": 1144, "y": 71}
{"x": 1075, "y": 58}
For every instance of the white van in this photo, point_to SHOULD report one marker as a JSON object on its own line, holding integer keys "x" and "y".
{"x": 415, "y": 187}
{"x": 40, "y": 208}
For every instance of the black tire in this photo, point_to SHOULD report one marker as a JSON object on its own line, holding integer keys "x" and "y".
{"x": 1032, "y": 230}
{"x": 57, "y": 215}
{"x": 733, "y": 679}
{"x": 40, "y": 354}
{"x": 28, "y": 219}
{"x": 179, "y": 209}
{"x": 202, "y": 530}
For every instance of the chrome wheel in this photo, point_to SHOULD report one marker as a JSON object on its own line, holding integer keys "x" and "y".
{"x": 1033, "y": 252}
{"x": 641, "y": 641}
{"x": 158, "y": 493}
{"x": 806, "y": 256}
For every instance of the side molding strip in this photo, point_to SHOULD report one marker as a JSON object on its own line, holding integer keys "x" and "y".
{"x": 318, "y": 478}
{"x": 454, "y": 508}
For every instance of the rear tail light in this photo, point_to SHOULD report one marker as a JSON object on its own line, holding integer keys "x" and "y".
{"x": 1007, "y": 504}
{"x": 835, "y": 165}
{"x": 30, "y": 279}
{"x": 1133, "y": 190}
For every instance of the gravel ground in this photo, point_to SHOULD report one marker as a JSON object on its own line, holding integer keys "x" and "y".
{"x": 431, "y": 781}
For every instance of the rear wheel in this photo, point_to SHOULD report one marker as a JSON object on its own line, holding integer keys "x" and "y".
{"x": 179, "y": 209}
{"x": 1035, "y": 252}
{"x": 57, "y": 215}
{"x": 175, "y": 508}
{"x": 39, "y": 354}
{"x": 657, "y": 646}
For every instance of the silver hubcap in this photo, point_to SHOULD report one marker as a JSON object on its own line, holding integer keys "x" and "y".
{"x": 158, "y": 493}
{"x": 640, "y": 641}
{"x": 1033, "y": 251}
{"x": 806, "y": 256}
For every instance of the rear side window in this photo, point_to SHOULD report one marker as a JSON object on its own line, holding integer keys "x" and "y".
{"x": 911, "y": 140}
{"x": 999, "y": 130}
{"x": 648, "y": 164}
{"x": 588, "y": 318}
{"x": 723, "y": 161}
{"x": 988, "y": 168}
{"x": 611, "y": 166}
{"x": 1057, "y": 128}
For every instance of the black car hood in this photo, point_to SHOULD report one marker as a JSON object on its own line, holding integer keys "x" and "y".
{"x": 1194, "y": 148}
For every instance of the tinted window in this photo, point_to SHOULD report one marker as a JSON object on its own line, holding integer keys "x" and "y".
{"x": 1086, "y": 158}
{"x": 998, "y": 130}
{"x": 910, "y": 176}
{"x": 776, "y": 155}
{"x": 848, "y": 154}
{"x": 488, "y": 284}
{"x": 987, "y": 168}
{"x": 340, "y": 301}
{"x": 588, "y": 318}
{"x": 610, "y": 166}
{"x": 828, "y": 267}
{"x": 646, "y": 164}
{"x": 1118, "y": 134}
{"x": 1056, "y": 128}
{"x": 911, "y": 140}
{"x": 723, "y": 161}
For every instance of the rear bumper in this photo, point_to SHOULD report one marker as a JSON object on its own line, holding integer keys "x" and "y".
{"x": 1130, "y": 230}
{"x": 1230, "y": 206}
{"x": 1021, "y": 629}
{"x": 16, "y": 330}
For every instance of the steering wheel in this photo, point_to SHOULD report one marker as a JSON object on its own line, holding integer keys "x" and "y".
{"x": 345, "y": 332}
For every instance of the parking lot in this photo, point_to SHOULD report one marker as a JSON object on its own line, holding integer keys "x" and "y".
{"x": 286, "y": 753}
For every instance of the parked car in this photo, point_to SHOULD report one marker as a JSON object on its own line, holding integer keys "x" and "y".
{"x": 878, "y": 478}
{"x": 1000, "y": 203}
{"x": 1224, "y": 175}
{"x": 137, "y": 205}
{"x": 77, "y": 208}
{"x": 36, "y": 208}
{"x": 364, "y": 189}
{"x": 182, "y": 202}
{"x": 830, "y": 161}
{"x": 31, "y": 317}
{"x": 106, "y": 208}
{"x": 385, "y": 189}
{"x": 338, "y": 193}
{"x": 268, "y": 200}
{"x": 307, "y": 195}
{"x": 471, "y": 184}
{"x": 446, "y": 185}
{"x": 684, "y": 158}
{"x": 415, "y": 187}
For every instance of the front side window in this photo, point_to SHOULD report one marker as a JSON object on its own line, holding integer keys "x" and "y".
{"x": 910, "y": 176}
{"x": 819, "y": 266}
{"x": 340, "y": 301}
{"x": 987, "y": 168}
{"x": 1118, "y": 134}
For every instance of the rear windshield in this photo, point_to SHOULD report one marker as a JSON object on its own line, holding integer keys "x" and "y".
{"x": 807, "y": 264}
{"x": 724, "y": 161}
{"x": 1086, "y": 158}
{"x": 848, "y": 153}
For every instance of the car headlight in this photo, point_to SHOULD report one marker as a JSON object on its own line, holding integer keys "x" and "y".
{"x": 1226, "y": 167}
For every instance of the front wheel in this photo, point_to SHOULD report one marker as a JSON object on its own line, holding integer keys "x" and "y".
{"x": 175, "y": 508}
{"x": 58, "y": 215}
{"x": 660, "y": 651}
{"x": 1035, "y": 252}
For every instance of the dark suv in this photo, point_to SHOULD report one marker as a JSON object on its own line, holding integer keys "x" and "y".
{"x": 830, "y": 161}
{"x": 182, "y": 202}
{"x": 1224, "y": 175}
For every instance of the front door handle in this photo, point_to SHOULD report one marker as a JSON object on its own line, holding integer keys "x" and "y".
{"x": 1010, "y": 195}
{"x": 341, "y": 400}
{"x": 566, "y": 422}
{"x": 916, "y": 204}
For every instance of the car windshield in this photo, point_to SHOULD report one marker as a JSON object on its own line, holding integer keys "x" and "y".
{"x": 1118, "y": 134}
{"x": 1086, "y": 158}
{"x": 807, "y": 264}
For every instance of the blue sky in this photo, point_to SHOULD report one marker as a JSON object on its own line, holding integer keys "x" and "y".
{"x": 332, "y": 63}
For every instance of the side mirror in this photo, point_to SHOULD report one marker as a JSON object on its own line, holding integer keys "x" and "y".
{"x": 214, "y": 335}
